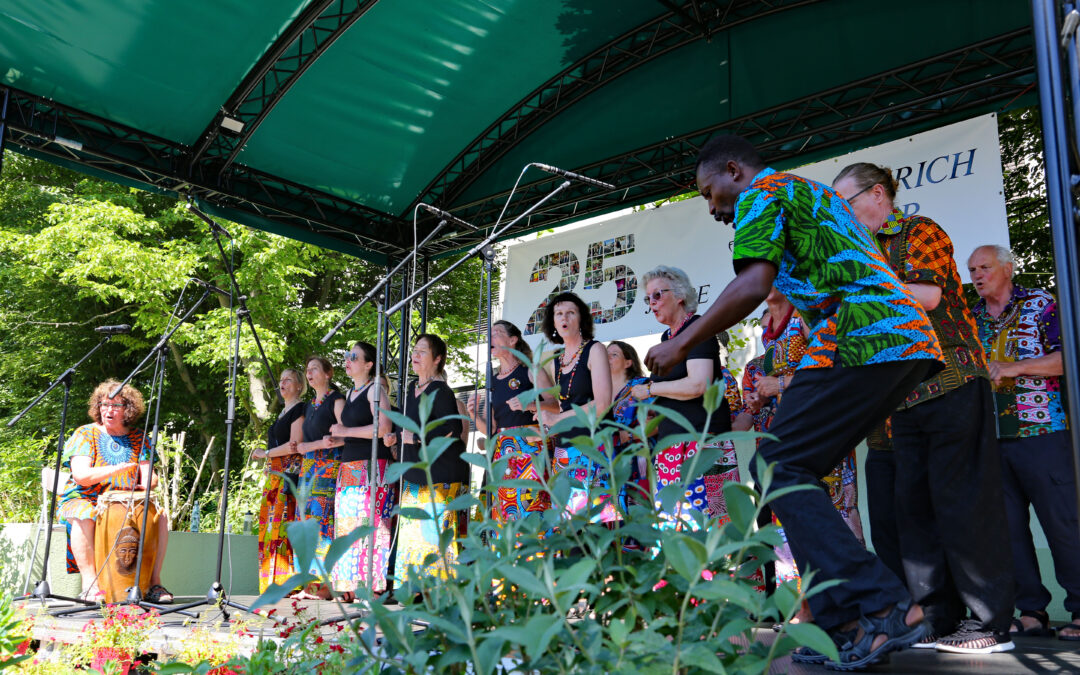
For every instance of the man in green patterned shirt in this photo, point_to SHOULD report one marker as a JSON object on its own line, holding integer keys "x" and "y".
{"x": 871, "y": 343}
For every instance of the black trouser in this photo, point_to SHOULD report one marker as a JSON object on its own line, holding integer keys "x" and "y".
{"x": 1038, "y": 471}
{"x": 951, "y": 511}
{"x": 826, "y": 412}
{"x": 880, "y": 470}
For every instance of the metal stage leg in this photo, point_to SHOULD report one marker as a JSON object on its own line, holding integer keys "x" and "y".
{"x": 1059, "y": 135}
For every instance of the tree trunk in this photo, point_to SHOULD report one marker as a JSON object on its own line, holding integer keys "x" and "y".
{"x": 185, "y": 377}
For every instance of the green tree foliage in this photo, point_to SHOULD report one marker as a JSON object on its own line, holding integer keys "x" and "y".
{"x": 1020, "y": 134}
{"x": 77, "y": 252}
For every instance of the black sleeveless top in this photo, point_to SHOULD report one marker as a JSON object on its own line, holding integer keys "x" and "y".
{"x": 505, "y": 388}
{"x": 357, "y": 413}
{"x": 317, "y": 423}
{"x": 575, "y": 388}
{"x": 280, "y": 430}
{"x": 693, "y": 409}
{"x": 449, "y": 467}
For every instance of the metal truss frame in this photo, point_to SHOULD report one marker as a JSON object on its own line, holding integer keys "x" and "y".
{"x": 685, "y": 23}
{"x": 308, "y": 37}
{"x": 991, "y": 72}
{"x": 70, "y": 135}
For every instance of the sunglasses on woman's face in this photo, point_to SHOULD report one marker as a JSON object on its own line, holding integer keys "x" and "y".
{"x": 658, "y": 295}
{"x": 352, "y": 356}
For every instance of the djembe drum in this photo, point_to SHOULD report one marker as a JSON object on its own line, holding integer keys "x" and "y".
{"x": 116, "y": 542}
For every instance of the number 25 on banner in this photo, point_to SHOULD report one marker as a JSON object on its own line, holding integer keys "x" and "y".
{"x": 597, "y": 273}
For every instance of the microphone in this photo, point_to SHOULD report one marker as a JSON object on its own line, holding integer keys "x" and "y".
{"x": 114, "y": 330}
{"x": 209, "y": 286}
{"x": 448, "y": 216}
{"x": 575, "y": 176}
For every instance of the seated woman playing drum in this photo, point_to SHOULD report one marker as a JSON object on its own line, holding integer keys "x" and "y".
{"x": 110, "y": 454}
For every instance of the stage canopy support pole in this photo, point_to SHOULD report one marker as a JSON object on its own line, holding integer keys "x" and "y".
{"x": 1061, "y": 176}
{"x": 3, "y": 127}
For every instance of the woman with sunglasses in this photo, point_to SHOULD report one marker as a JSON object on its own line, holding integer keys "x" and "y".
{"x": 279, "y": 503}
{"x": 359, "y": 493}
{"x": 417, "y": 539}
{"x": 673, "y": 301}
{"x": 515, "y": 436}
{"x": 584, "y": 379}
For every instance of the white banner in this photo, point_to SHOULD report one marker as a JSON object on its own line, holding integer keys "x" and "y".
{"x": 951, "y": 174}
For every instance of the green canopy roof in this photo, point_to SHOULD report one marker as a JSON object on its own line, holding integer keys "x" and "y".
{"x": 330, "y": 120}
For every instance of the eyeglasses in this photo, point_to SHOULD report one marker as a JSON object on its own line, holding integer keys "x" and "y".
{"x": 114, "y": 406}
{"x": 852, "y": 197}
{"x": 658, "y": 295}
{"x": 420, "y": 352}
{"x": 352, "y": 357}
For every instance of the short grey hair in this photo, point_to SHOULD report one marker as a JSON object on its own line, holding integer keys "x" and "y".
{"x": 681, "y": 287}
{"x": 1003, "y": 254}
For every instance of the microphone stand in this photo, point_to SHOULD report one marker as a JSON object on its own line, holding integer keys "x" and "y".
{"x": 373, "y": 468}
{"x": 486, "y": 250}
{"x": 376, "y": 292}
{"x": 134, "y": 596}
{"x": 216, "y": 595}
{"x": 42, "y": 591}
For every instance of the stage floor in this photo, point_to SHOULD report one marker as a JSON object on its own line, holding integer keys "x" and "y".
{"x": 1032, "y": 655}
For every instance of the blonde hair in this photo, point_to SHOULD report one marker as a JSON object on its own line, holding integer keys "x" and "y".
{"x": 300, "y": 379}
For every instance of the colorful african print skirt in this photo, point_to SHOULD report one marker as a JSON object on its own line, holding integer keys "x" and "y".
{"x": 417, "y": 539}
{"x": 524, "y": 457}
{"x": 589, "y": 479}
{"x": 320, "y": 475}
{"x": 842, "y": 486}
{"x": 275, "y": 551}
{"x": 352, "y": 509}
{"x": 705, "y": 493}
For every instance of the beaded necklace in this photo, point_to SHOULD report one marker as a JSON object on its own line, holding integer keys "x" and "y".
{"x": 317, "y": 401}
{"x": 671, "y": 333}
{"x": 360, "y": 390}
{"x": 573, "y": 372}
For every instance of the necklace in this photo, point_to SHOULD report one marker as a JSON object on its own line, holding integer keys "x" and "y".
{"x": 319, "y": 400}
{"x": 287, "y": 408}
{"x": 421, "y": 385}
{"x": 570, "y": 384}
{"x": 671, "y": 333}
{"x": 565, "y": 361}
{"x": 362, "y": 389}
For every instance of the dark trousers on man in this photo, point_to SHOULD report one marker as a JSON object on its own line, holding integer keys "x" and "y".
{"x": 1038, "y": 471}
{"x": 880, "y": 471}
{"x": 951, "y": 509}
{"x": 824, "y": 413}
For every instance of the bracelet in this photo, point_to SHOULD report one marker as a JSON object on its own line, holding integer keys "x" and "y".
{"x": 648, "y": 389}
{"x": 293, "y": 446}
{"x": 780, "y": 379}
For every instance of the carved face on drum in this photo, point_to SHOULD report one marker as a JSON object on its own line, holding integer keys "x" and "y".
{"x": 127, "y": 550}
